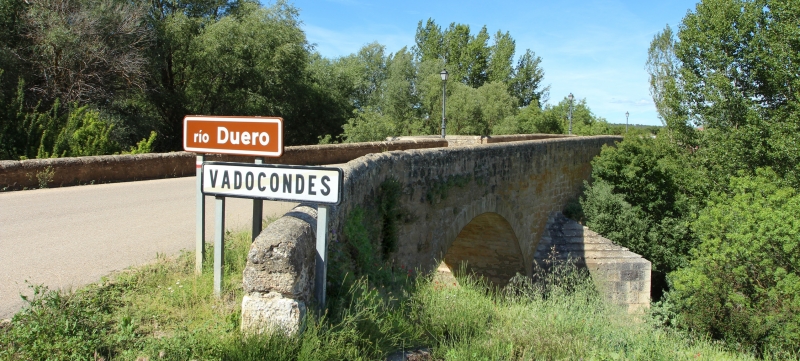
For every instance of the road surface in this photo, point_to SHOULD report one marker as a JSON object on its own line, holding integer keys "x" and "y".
{"x": 68, "y": 237}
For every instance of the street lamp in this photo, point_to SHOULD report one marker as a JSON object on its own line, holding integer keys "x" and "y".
{"x": 444, "y": 97}
{"x": 626, "y": 121}
{"x": 570, "y": 97}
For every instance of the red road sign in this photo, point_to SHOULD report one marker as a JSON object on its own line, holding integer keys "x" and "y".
{"x": 258, "y": 136}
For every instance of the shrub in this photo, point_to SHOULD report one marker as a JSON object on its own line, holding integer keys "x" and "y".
{"x": 144, "y": 145}
{"x": 643, "y": 197}
{"x": 743, "y": 284}
{"x": 84, "y": 134}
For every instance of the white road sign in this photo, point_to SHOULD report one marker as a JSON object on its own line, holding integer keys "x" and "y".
{"x": 273, "y": 182}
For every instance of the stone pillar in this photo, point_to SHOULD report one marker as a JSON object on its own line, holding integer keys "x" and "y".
{"x": 279, "y": 276}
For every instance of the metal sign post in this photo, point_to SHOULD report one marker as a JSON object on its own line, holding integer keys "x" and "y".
{"x": 258, "y": 208}
{"x": 219, "y": 244}
{"x": 321, "y": 185}
{"x": 321, "y": 264}
{"x": 200, "y": 221}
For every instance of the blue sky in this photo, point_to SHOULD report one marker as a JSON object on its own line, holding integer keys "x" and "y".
{"x": 594, "y": 49}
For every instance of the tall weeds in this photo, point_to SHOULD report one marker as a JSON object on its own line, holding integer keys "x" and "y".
{"x": 163, "y": 311}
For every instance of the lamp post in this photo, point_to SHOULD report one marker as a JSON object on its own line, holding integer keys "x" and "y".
{"x": 570, "y": 97}
{"x": 444, "y": 97}
{"x": 626, "y": 121}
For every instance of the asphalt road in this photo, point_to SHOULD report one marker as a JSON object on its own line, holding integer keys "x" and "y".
{"x": 67, "y": 237}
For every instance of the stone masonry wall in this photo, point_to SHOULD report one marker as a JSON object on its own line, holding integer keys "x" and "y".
{"x": 443, "y": 190}
{"x": 623, "y": 277}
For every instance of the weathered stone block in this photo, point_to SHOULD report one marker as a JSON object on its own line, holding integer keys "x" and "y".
{"x": 281, "y": 258}
{"x": 621, "y": 275}
{"x": 272, "y": 312}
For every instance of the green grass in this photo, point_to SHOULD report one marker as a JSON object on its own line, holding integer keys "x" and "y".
{"x": 162, "y": 311}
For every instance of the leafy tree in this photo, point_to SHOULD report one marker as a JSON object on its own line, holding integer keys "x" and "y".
{"x": 371, "y": 64}
{"x": 534, "y": 120}
{"x": 84, "y": 51}
{"x": 401, "y": 98}
{"x": 663, "y": 67}
{"x": 531, "y": 119}
{"x": 83, "y": 134}
{"x": 429, "y": 41}
{"x": 526, "y": 83}
{"x": 329, "y": 95}
{"x": 733, "y": 71}
{"x": 472, "y": 61}
{"x": 368, "y": 125}
{"x": 12, "y": 143}
{"x": 555, "y": 119}
{"x": 496, "y": 104}
{"x": 238, "y": 58}
{"x": 501, "y": 61}
{"x": 11, "y": 40}
{"x": 466, "y": 55}
{"x": 463, "y": 110}
{"x": 743, "y": 284}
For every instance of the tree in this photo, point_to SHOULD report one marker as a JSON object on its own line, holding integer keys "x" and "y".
{"x": 12, "y": 40}
{"x": 526, "y": 84}
{"x": 401, "y": 101}
{"x": 177, "y": 25}
{"x": 643, "y": 195}
{"x": 500, "y": 68}
{"x": 496, "y": 104}
{"x": 371, "y": 63}
{"x": 734, "y": 73}
{"x": 238, "y": 58}
{"x": 472, "y": 61}
{"x": 428, "y": 41}
{"x": 85, "y": 51}
{"x": 466, "y": 56}
{"x": 584, "y": 122}
{"x": 368, "y": 125}
{"x": 743, "y": 283}
{"x": 663, "y": 67}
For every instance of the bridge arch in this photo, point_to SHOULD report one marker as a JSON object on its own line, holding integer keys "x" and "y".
{"x": 488, "y": 247}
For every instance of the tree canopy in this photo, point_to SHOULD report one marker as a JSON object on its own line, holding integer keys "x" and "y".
{"x": 710, "y": 200}
{"x": 139, "y": 67}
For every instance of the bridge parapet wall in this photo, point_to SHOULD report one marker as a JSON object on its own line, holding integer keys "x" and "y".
{"x": 59, "y": 172}
{"x": 442, "y": 191}
{"x": 463, "y": 140}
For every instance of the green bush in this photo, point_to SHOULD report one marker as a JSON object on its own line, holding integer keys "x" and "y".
{"x": 57, "y": 132}
{"x": 743, "y": 283}
{"x": 643, "y": 197}
{"x": 144, "y": 145}
{"x": 84, "y": 134}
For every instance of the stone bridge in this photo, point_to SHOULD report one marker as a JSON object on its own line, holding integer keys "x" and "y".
{"x": 485, "y": 206}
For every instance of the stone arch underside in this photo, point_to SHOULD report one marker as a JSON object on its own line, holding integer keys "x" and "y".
{"x": 488, "y": 247}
